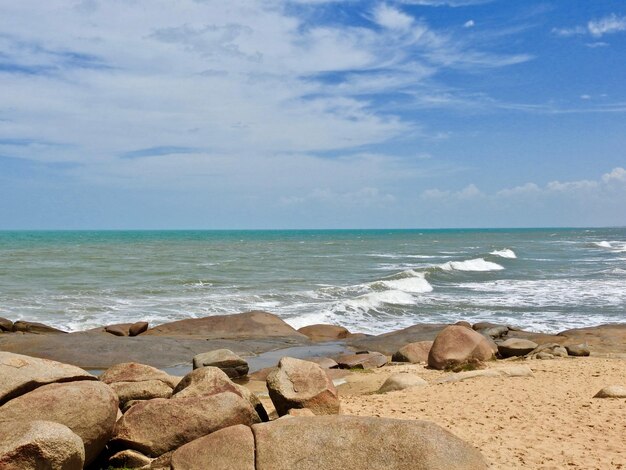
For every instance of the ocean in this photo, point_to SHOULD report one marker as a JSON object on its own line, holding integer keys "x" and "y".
{"x": 370, "y": 281}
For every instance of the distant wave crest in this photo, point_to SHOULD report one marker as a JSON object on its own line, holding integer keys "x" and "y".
{"x": 478, "y": 264}
{"x": 506, "y": 253}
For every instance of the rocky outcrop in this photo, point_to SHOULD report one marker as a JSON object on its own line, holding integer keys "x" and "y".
{"x": 389, "y": 343}
{"x": 20, "y": 374}
{"x": 6, "y": 324}
{"x": 320, "y": 332}
{"x": 577, "y": 350}
{"x": 144, "y": 390}
{"x": 137, "y": 328}
{"x": 88, "y": 408}
{"x": 226, "y": 360}
{"x": 401, "y": 381}
{"x": 514, "y": 347}
{"x": 302, "y": 384}
{"x": 515, "y": 371}
{"x": 364, "y": 360}
{"x": 413, "y": 352}
{"x": 254, "y": 324}
{"x": 357, "y": 443}
{"x": 230, "y": 448}
{"x": 118, "y": 330}
{"x": 548, "y": 351}
{"x": 34, "y": 445}
{"x": 154, "y": 427}
{"x": 35, "y": 328}
{"x": 457, "y": 345}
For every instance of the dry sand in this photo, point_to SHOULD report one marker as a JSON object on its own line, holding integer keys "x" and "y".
{"x": 549, "y": 421}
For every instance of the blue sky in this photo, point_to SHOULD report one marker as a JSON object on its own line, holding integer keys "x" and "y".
{"x": 312, "y": 113}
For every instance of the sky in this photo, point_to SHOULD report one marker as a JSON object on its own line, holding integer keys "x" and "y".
{"x": 261, "y": 114}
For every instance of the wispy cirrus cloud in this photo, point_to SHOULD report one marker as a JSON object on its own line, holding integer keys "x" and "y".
{"x": 596, "y": 28}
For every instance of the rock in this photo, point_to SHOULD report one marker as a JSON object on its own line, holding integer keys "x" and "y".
{"x": 128, "y": 459}
{"x": 154, "y": 427}
{"x": 413, "y": 352}
{"x": 368, "y": 360}
{"x": 602, "y": 339}
{"x": 137, "y": 328}
{"x": 612, "y": 391}
{"x": 254, "y": 324}
{"x": 485, "y": 325}
{"x": 88, "y": 408}
{"x": 578, "y": 350}
{"x": 225, "y": 359}
{"x": 300, "y": 412}
{"x": 389, "y": 343}
{"x": 401, "y": 381}
{"x": 145, "y": 390}
{"x": 20, "y": 374}
{"x": 495, "y": 331}
{"x": 457, "y": 345}
{"x": 162, "y": 462}
{"x": 464, "y": 323}
{"x": 35, "y": 445}
{"x": 357, "y": 443}
{"x": 36, "y": 328}
{"x": 324, "y": 332}
{"x": 6, "y": 325}
{"x": 133, "y": 372}
{"x": 323, "y": 362}
{"x": 230, "y": 448}
{"x": 302, "y": 384}
{"x": 117, "y": 330}
{"x": 515, "y": 371}
{"x": 516, "y": 347}
{"x": 204, "y": 381}
{"x": 548, "y": 351}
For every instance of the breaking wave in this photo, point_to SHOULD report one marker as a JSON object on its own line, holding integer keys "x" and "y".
{"x": 506, "y": 253}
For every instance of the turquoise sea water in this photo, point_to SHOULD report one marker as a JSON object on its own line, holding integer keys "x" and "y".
{"x": 366, "y": 280}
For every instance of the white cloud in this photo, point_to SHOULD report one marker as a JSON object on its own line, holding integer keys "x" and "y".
{"x": 446, "y": 3}
{"x": 469, "y": 24}
{"x": 392, "y": 18}
{"x": 618, "y": 175}
{"x": 597, "y": 28}
{"x": 468, "y": 193}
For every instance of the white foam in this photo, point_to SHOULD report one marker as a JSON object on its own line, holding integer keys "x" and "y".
{"x": 603, "y": 244}
{"x": 506, "y": 253}
{"x": 377, "y": 299}
{"x": 415, "y": 285}
{"x": 478, "y": 264}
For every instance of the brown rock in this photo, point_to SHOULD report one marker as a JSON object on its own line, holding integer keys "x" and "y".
{"x": 35, "y": 445}
{"x": 302, "y": 384}
{"x": 154, "y": 427}
{"x": 145, "y": 390}
{"x": 457, "y": 345}
{"x": 323, "y": 362}
{"x": 464, "y": 323}
{"x": 34, "y": 327}
{"x": 513, "y": 347}
{"x": 128, "y": 459}
{"x": 324, "y": 332}
{"x": 204, "y": 381}
{"x": 6, "y": 325}
{"x": 401, "y": 381}
{"x": 88, "y": 408}
{"x": 413, "y": 352}
{"x": 368, "y": 360}
{"x": 389, "y": 343}
{"x": 230, "y": 448}
{"x": 133, "y": 372}
{"x": 610, "y": 338}
{"x": 225, "y": 359}
{"x": 20, "y": 374}
{"x": 137, "y": 328}
{"x": 254, "y": 324}
{"x": 117, "y": 330}
{"x": 300, "y": 412}
{"x": 579, "y": 350}
{"x": 357, "y": 443}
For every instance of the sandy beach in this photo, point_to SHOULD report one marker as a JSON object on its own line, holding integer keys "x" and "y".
{"x": 549, "y": 421}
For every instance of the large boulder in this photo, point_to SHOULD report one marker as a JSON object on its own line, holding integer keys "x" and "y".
{"x": 144, "y": 390}
{"x": 6, "y": 324}
{"x": 88, "y": 408}
{"x": 154, "y": 427}
{"x": 389, "y": 343}
{"x": 457, "y": 345}
{"x": 118, "y": 330}
{"x": 230, "y": 448}
{"x": 357, "y": 443}
{"x": 254, "y": 324}
{"x": 134, "y": 372}
{"x": 365, "y": 360}
{"x": 413, "y": 352}
{"x": 302, "y": 384}
{"x": 321, "y": 332}
{"x": 225, "y": 359}
{"x": 513, "y": 347}
{"x": 137, "y": 328}
{"x": 211, "y": 381}
{"x": 34, "y": 327}
{"x": 39, "y": 445}
{"x": 20, "y": 374}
